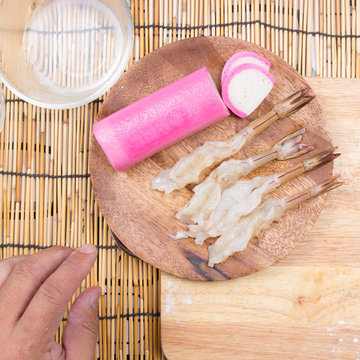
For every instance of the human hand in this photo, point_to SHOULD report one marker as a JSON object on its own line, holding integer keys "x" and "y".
{"x": 34, "y": 293}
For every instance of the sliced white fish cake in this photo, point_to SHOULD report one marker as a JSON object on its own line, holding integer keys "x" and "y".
{"x": 245, "y": 87}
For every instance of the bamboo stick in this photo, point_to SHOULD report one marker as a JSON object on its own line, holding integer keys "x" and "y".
{"x": 199, "y": 19}
{"x": 286, "y": 35}
{"x": 182, "y": 16}
{"x": 135, "y": 267}
{"x": 300, "y": 37}
{"x": 107, "y": 261}
{"x": 121, "y": 334}
{"x": 243, "y": 20}
{"x": 22, "y": 181}
{"x": 320, "y": 23}
{"x": 272, "y": 31}
{"x": 226, "y": 17}
{"x": 172, "y": 21}
{"x": 166, "y": 22}
{"x": 277, "y": 44}
{"x": 8, "y": 167}
{"x": 309, "y": 43}
{"x": 295, "y": 37}
{"x": 235, "y": 18}
{"x": 48, "y": 182}
{"x": 2, "y": 145}
{"x": 218, "y": 14}
{"x": 206, "y": 17}
{"x": 156, "y": 22}
{"x": 178, "y": 18}
{"x": 268, "y": 21}
{"x": 290, "y": 34}
{"x": 151, "y": 21}
{"x": 137, "y": 31}
{"x": 248, "y": 19}
{"x": 191, "y": 16}
{"x": 161, "y": 22}
{"x": 338, "y": 40}
{"x": 32, "y": 180}
{"x": 345, "y": 52}
{"x": 212, "y": 19}
{"x": 156, "y": 294}
{"x": 329, "y": 58}
{"x": 12, "y": 167}
{"x": 146, "y": 309}
{"x": 7, "y": 128}
{"x": 257, "y": 25}
{"x": 353, "y": 43}
{"x": 147, "y": 30}
{"x": 151, "y": 320}
{"x": 17, "y": 195}
{"x": 229, "y": 17}
{"x": 141, "y": 309}
{"x": 348, "y": 40}
{"x": 305, "y": 49}
{"x": 357, "y": 70}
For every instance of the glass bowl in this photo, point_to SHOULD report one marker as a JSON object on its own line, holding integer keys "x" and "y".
{"x": 60, "y": 54}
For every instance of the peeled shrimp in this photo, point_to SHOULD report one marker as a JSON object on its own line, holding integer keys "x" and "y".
{"x": 244, "y": 196}
{"x": 207, "y": 194}
{"x": 189, "y": 168}
{"x": 237, "y": 238}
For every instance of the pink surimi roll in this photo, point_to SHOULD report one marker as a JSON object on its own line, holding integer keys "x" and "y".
{"x": 160, "y": 119}
{"x": 244, "y": 57}
{"x": 245, "y": 87}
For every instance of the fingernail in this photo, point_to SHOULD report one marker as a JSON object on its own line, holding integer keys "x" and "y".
{"x": 94, "y": 299}
{"x": 87, "y": 249}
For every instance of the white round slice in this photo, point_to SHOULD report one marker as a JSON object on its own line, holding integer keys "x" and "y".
{"x": 245, "y": 87}
{"x": 244, "y": 57}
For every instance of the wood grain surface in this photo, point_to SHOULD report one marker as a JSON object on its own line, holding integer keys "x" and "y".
{"x": 142, "y": 218}
{"x": 306, "y": 306}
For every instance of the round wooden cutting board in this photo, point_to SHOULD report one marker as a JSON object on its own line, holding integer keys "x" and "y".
{"x": 142, "y": 218}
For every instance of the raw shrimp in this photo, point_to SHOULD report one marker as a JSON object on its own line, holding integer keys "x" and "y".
{"x": 244, "y": 196}
{"x": 208, "y": 193}
{"x": 189, "y": 168}
{"x": 237, "y": 238}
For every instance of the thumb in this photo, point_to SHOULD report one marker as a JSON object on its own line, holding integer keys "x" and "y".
{"x": 81, "y": 331}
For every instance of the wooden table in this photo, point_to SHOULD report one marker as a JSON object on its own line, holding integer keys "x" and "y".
{"x": 307, "y": 306}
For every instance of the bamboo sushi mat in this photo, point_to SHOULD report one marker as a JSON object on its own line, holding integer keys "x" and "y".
{"x": 46, "y": 196}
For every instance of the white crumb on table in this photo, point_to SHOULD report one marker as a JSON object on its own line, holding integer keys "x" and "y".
{"x": 174, "y": 297}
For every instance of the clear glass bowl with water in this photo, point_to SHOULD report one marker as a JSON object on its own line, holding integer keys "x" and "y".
{"x": 63, "y": 53}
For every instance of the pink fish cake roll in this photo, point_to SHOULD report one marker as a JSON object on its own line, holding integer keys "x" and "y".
{"x": 244, "y": 57}
{"x": 160, "y": 119}
{"x": 245, "y": 87}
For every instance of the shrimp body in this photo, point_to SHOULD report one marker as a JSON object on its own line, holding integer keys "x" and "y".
{"x": 189, "y": 168}
{"x": 237, "y": 238}
{"x": 207, "y": 194}
{"x": 236, "y": 201}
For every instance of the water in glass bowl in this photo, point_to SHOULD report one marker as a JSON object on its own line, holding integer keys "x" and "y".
{"x": 73, "y": 45}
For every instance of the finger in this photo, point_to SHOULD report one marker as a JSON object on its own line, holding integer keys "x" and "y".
{"x": 45, "y": 311}
{"x": 25, "y": 279}
{"x": 81, "y": 331}
{"x": 7, "y": 266}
